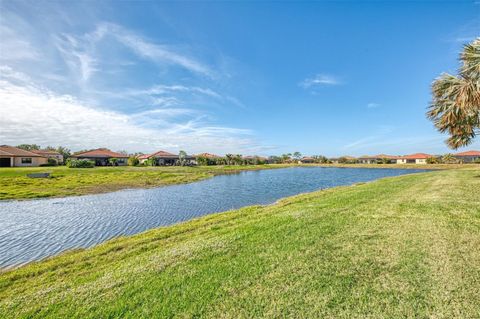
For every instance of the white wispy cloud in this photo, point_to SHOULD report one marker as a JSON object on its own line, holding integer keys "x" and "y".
{"x": 87, "y": 87}
{"x": 159, "y": 53}
{"x": 320, "y": 80}
{"x": 15, "y": 47}
{"x": 373, "y": 105}
{"x": 38, "y": 115}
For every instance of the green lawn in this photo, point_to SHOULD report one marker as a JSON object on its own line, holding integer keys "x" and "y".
{"x": 402, "y": 247}
{"x": 14, "y": 183}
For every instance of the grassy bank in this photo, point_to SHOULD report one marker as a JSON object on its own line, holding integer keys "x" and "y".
{"x": 14, "y": 183}
{"x": 398, "y": 247}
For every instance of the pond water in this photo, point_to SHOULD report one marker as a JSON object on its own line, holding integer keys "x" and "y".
{"x": 34, "y": 229}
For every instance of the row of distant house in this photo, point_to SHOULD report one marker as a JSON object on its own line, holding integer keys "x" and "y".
{"x": 15, "y": 157}
{"x": 417, "y": 158}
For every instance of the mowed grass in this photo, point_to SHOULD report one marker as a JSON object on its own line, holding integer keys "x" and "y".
{"x": 14, "y": 183}
{"x": 401, "y": 247}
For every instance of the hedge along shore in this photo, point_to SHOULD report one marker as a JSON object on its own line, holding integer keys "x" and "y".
{"x": 403, "y": 246}
{"x": 14, "y": 183}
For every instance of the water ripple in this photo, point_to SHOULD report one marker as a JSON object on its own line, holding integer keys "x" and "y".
{"x": 32, "y": 230}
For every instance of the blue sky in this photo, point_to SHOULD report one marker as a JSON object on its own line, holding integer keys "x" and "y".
{"x": 331, "y": 78}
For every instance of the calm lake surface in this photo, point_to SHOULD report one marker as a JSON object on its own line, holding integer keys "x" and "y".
{"x": 34, "y": 229}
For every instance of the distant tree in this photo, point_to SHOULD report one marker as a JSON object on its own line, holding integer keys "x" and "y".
{"x": 449, "y": 159}
{"x": 66, "y": 153}
{"x": 343, "y": 160}
{"x": 297, "y": 155}
{"x": 238, "y": 160}
{"x": 137, "y": 154}
{"x": 320, "y": 159}
{"x": 123, "y": 152}
{"x": 286, "y": 157}
{"x": 229, "y": 159}
{"x": 182, "y": 155}
{"x": 385, "y": 161}
{"x": 432, "y": 160}
{"x": 455, "y": 108}
{"x": 202, "y": 160}
{"x": 274, "y": 159}
{"x": 29, "y": 147}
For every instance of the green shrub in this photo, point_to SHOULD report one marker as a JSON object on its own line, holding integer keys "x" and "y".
{"x": 133, "y": 161}
{"x": 477, "y": 160}
{"x": 113, "y": 161}
{"x": 80, "y": 163}
{"x": 152, "y": 161}
{"x": 50, "y": 162}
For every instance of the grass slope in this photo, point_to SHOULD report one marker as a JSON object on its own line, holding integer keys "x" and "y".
{"x": 399, "y": 247}
{"x": 14, "y": 183}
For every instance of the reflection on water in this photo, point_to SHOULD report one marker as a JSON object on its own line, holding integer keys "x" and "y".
{"x": 31, "y": 230}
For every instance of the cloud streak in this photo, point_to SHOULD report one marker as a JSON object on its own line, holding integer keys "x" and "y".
{"x": 37, "y": 115}
{"x": 373, "y": 105}
{"x": 158, "y": 53}
{"x": 320, "y": 80}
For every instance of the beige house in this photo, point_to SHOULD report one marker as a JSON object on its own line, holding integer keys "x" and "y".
{"x": 16, "y": 157}
{"x": 417, "y": 158}
{"x": 375, "y": 159}
{"x": 50, "y": 154}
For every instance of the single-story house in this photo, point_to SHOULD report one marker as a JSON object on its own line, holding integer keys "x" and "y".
{"x": 468, "y": 157}
{"x": 417, "y": 158}
{"x": 16, "y": 157}
{"x": 307, "y": 160}
{"x": 50, "y": 154}
{"x": 163, "y": 158}
{"x": 349, "y": 159}
{"x": 375, "y": 159}
{"x": 101, "y": 157}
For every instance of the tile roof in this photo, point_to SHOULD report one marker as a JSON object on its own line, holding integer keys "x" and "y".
{"x": 417, "y": 156}
{"x": 379, "y": 156}
{"x": 158, "y": 154}
{"x": 15, "y": 151}
{"x": 46, "y": 152}
{"x": 468, "y": 153}
{"x": 100, "y": 153}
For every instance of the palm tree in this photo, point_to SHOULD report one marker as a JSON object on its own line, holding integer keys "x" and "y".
{"x": 456, "y": 99}
{"x": 229, "y": 159}
{"x": 448, "y": 158}
{"x": 182, "y": 158}
{"x": 297, "y": 155}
